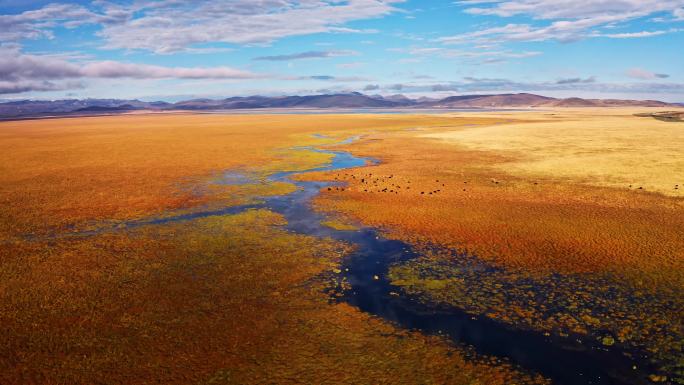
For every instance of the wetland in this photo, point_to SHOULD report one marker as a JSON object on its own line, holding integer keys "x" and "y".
{"x": 354, "y": 248}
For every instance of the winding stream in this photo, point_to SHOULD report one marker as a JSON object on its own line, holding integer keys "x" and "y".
{"x": 563, "y": 360}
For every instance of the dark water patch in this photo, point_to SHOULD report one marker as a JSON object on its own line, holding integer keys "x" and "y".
{"x": 564, "y": 360}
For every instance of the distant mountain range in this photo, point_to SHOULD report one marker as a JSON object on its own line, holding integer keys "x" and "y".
{"x": 355, "y": 100}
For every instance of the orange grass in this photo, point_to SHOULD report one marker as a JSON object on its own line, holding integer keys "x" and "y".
{"x": 432, "y": 192}
{"x": 217, "y": 300}
{"x": 536, "y": 224}
{"x": 224, "y": 300}
{"x": 67, "y": 172}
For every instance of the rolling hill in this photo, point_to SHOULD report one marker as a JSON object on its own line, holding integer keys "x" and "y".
{"x": 355, "y": 100}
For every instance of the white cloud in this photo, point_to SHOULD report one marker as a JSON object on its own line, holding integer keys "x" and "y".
{"x": 502, "y": 85}
{"x": 640, "y": 73}
{"x": 113, "y": 69}
{"x": 329, "y": 78}
{"x": 569, "y": 20}
{"x": 21, "y": 72}
{"x": 308, "y": 55}
{"x": 164, "y": 26}
{"x": 590, "y": 79}
{"x": 629, "y": 35}
{"x": 172, "y": 26}
{"x": 24, "y": 85}
{"x": 678, "y": 14}
{"x": 477, "y": 57}
{"x": 573, "y": 9}
{"x": 39, "y": 23}
{"x": 15, "y": 66}
{"x": 351, "y": 65}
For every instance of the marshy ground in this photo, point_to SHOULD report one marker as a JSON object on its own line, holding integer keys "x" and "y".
{"x": 571, "y": 221}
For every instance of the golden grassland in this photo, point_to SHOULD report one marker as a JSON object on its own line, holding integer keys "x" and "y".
{"x": 219, "y": 300}
{"x": 237, "y": 299}
{"x": 463, "y": 197}
{"x": 619, "y": 151}
{"x": 67, "y": 172}
{"x": 544, "y": 193}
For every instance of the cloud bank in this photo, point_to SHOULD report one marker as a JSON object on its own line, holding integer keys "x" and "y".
{"x": 21, "y": 72}
{"x": 307, "y": 55}
{"x": 165, "y": 26}
{"x": 640, "y": 73}
{"x": 567, "y": 20}
{"x": 499, "y": 85}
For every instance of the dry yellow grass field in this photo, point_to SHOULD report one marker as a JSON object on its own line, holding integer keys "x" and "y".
{"x": 593, "y": 147}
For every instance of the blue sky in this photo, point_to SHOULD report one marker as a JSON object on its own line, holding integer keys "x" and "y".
{"x": 172, "y": 49}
